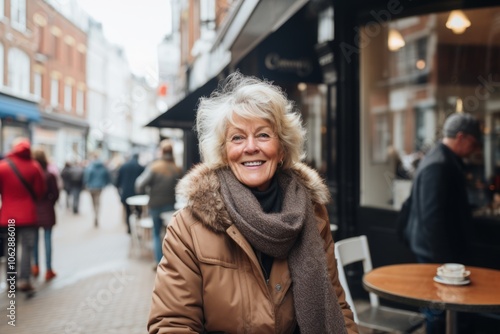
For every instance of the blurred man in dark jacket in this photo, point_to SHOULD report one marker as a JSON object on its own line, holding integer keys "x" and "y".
{"x": 125, "y": 183}
{"x": 440, "y": 223}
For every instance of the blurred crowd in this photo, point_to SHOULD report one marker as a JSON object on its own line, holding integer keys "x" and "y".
{"x": 30, "y": 189}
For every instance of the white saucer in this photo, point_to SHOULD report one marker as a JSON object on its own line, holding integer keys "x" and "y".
{"x": 442, "y": 281}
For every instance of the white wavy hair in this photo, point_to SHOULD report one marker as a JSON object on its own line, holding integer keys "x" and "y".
{"x": 249, "y": 98}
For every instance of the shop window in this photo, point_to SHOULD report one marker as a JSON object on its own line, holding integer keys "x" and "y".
{"x": 19, "y": 71}
{"x": 415, "y": 72}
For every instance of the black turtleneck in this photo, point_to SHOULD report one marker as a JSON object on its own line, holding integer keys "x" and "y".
{"x": 271, "y": 201}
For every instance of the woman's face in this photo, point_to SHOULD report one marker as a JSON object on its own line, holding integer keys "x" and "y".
{"x": 253, "y": 152}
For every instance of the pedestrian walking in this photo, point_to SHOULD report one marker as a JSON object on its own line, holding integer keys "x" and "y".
{"x": 76, "y": 172}
{"x": 125, "y": 183}
{"x": 158, "y": 180}
{"x": 95, "y": 178}
{"x": 22, "y": 183}
{"x": 66, "y": 182}
{"x": 252, "y": 251}
{"x": 46, "y": 217}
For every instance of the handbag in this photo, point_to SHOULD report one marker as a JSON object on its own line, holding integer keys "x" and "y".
{"x": 22, "y": 179}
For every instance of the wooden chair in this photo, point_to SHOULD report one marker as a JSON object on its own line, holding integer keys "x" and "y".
{"x": 376, "y": 317}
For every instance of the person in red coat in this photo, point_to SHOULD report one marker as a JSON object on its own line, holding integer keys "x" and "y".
{"x": 46, "y": 216}
{"x": 18, "y": 218}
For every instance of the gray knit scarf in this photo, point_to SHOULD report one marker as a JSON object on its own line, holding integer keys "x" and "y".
{"x": 293, "y": 234}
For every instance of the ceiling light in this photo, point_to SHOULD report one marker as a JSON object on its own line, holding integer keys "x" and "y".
{"x": 457, "y": 22}
{"x": 395, "y": 40}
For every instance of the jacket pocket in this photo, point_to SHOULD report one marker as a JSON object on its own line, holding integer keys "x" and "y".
{"x": 213, "y": 248}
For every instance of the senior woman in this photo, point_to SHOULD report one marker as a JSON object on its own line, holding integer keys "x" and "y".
{"x": 251, "y": 252}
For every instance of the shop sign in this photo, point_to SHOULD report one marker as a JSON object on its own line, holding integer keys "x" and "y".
{"x": 301, "y": 67}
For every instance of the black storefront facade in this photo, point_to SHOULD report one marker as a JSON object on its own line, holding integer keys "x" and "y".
{"x": 402, "y": 68}
{"x": 376, "y": 95}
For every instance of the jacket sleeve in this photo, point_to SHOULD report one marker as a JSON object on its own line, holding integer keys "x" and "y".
{"x": 432, "y": 196}
{"x": 332, "y": 270}
{"x": 53, "y": 188}
{"x": 177, "y": 305}
{"x": 143, "y": 180}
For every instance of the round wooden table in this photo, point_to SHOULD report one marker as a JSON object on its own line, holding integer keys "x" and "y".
{"x": 413, "y": 284}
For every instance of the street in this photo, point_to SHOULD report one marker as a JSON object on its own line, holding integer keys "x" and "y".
{"x": 99, "y": 287}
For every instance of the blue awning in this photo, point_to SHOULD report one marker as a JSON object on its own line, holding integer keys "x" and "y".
{"x": 18, "y": 109}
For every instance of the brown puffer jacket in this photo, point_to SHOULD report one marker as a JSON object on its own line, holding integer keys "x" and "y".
{"x": 210, "y": 280}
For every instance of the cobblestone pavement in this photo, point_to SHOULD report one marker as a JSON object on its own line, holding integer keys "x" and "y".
{"x": 99, "y": 288}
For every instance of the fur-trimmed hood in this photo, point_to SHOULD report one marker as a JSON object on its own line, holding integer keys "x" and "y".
{"x": 200, "y": 188}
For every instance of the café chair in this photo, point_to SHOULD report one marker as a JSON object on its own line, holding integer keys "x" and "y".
{"x": 375, "y": 316}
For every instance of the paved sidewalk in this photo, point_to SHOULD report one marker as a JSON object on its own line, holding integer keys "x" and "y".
{"x": 99, "y": 287}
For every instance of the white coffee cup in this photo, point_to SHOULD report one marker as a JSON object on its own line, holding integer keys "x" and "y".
{"x": 453, "y": 269}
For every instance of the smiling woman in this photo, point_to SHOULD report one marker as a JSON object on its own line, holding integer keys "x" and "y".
{"x": 251, "y": 205}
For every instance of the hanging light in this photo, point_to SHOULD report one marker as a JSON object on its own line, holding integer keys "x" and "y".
{"x": 457, "y": 22}
{"x": 395, "y": 40}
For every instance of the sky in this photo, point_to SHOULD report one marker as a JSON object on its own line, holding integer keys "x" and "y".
{"x": 137, "y": 25}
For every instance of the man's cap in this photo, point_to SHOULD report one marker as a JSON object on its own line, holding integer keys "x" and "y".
{"x": 465, "y": 123}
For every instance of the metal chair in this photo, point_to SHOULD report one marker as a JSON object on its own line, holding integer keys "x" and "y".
{"x": 376, "y": 317}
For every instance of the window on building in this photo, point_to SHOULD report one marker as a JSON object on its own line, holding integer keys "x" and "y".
{"x": 37, "y": 84}
{"x": 18, "y": 13}
{"x": 80, "y": 101}
{"x": 68, "y": 97}
{"x": 19, "y": 71}
{"x": 325, "y": 25}
{"x": 414, "y": 73}
{"x": 54, "y": 92}
{"x": 207, "y": 17}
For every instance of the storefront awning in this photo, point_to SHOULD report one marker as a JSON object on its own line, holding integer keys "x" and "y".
{"x": 18, "y": 109}
{"x": 182, "y": 114}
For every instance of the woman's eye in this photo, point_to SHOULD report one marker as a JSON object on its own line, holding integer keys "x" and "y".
{"x": 237, "y": 139}
{"x": 263, "y": 136}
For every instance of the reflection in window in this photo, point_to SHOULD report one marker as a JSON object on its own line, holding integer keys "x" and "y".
{"x": 407, "y": 93}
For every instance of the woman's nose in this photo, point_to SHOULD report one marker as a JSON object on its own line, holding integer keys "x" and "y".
{"x": 251, "y": 145}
